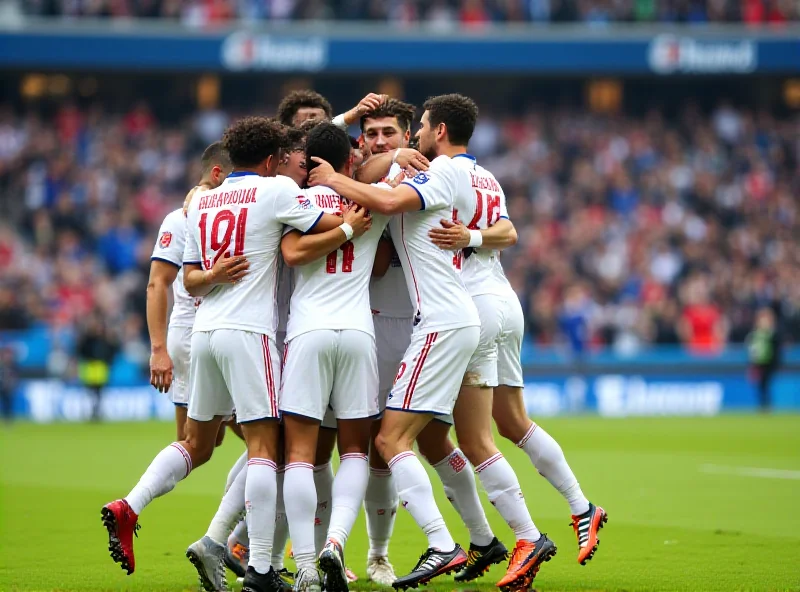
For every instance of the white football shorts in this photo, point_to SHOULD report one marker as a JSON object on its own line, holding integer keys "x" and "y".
{"x": 433, "y": 367}
{"x": 392, "y": 337}
{"x": 509, "y": 348}
{"x": 179, "y": 345}
{"x": 234, "y": 369}
{"x": 330, "y": 367}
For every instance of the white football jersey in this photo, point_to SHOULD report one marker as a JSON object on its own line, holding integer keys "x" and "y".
{"x": 333, "y": 292}
{"x": 169, "y": 247}
{"x": 482, "y": 272}
{"x": 245, "y": 216}
{"x": 285, "y": 289}
{"x": 388, "y": 295}
{"x": 434, "y": 285}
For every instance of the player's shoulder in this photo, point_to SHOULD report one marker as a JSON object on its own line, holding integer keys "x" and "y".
{"x": 175, "y": 219}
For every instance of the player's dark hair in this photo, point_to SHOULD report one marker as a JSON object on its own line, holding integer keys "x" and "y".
{"x": 295, "y": 139}
{"x": 403, "y": 112}
{"x": 297, "y": 99}
{"x": 309, "y": 124}
{"x": 215, "y": 154}
{"x": 457, "y": 112}
{"x": 330, "y": 143}
{"x": 250, "y": 141}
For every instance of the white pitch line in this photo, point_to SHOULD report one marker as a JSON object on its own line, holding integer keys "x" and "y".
{"x": 759, "y": 472}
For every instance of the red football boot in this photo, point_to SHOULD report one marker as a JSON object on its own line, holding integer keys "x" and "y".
{"x": 121, "y": 523}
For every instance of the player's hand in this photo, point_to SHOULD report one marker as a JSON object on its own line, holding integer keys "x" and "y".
{"x": 369, "y": 103}
{"x": 229, "y": 270}
{"x": 357, "y": 217}
{"x": 451, "y": 237}
{"x": 408, "y": 158}
{"x": 322, "y": 174}
{"x": 160, "y": 370}
{"x": 401, "y": 176}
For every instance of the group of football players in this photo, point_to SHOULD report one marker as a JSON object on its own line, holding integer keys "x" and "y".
{"x": 340, "y": 292}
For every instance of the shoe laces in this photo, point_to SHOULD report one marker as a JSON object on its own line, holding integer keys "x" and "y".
{"x": 518, "y": 554}
{"x": 423, "y": 558}
{"x": 472, "y": 556}
{"x": 581, "y": 525}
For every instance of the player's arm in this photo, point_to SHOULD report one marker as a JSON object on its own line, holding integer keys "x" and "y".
{"x": 402, "y": 198}
{"x": 378, "y": 165}
{"x": 301, "y": 249}
{"x": 453, "y": 237}
{"x": 226, "y": 270}
{"x": 162, "y": 274}
{"x": 383, "y": 258}
{"x": 369, "y": 103}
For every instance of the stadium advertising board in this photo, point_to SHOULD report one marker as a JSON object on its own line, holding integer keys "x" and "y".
{"x": 735, "y": 51}
{"x": 608, "y": 395}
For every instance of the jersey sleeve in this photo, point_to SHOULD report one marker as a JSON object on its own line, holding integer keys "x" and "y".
{"x": 294, "y": 208}
{"x": 171, "y": 238}
{"x": 191, "y": 252}
{"x": 435, "y": 186}
{"x": 503, "y": 205}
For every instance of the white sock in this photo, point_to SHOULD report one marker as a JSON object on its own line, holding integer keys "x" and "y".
{"x": 380, "y": 505}
{"x": 349, "y": 489}
{"x": 323, "y": 483}
{"x": 548, "y": 458}
{"x": 300, "y": 499}
{"x": 502, "y": 488}
{"x": 281, "y": 526}
{"x": 230, "y": 510}
{"x": 239, "y": 534}
{"x": 168, "y": 467}
{"x": 459, "y": 486}
{"x": 260, "y": 496}
{"x": 416, "y": 494}
{"x": 240, "y": 463}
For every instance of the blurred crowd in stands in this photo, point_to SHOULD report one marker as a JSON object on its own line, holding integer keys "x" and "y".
{"x": 441, "y": 13}
{"x": 633, "y": 230}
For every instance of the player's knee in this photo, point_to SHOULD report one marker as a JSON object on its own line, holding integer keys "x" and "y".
{"x": 510, "y": 430}
{"x": 199, "y": 450}
{"x": 478, "y": 448}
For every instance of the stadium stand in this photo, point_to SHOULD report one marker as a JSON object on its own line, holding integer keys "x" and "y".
{"x": 634, "y": 230}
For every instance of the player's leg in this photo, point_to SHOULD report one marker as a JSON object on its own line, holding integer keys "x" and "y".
{"x": 179, "y": 340}
{"x": 236, "y": 551}
{"x": 323, "y": 479}
{"x": 392, "y": 336}
{"x": 427, "y": 385}
{"x": 208, "y": 406}
{"x": 304, "y": 399}
{"x": 459, "y": 484}
{"x": 181, "y": 413}
{"x": 251, "y": 365}
{"x": 356, "y": 406}
{"x": 473, "y": 423}
{"x": 513, "y": 423}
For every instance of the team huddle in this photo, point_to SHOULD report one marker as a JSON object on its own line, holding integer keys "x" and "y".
{"x": 332, "y": 292}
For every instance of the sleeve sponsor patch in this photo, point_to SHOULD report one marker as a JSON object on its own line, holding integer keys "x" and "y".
{"x": 421, "y": 178}
{"x": 165, "y": 240}
{"x": 304, "y": 202}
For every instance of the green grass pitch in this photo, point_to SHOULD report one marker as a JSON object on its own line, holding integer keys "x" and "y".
{"x": 686, "y": 510}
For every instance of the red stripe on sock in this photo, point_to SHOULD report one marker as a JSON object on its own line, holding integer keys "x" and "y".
{"x": 488, "y": 462}
{"x": 527, "y": 435}
{"x": 186, "y": 458}
{"x": 400, "y": 457}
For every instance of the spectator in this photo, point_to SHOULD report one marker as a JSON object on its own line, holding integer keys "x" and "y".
{"x": 764, "y": 352}
{"x": 9, "y": 377}
{"x": 96, "y": 351}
